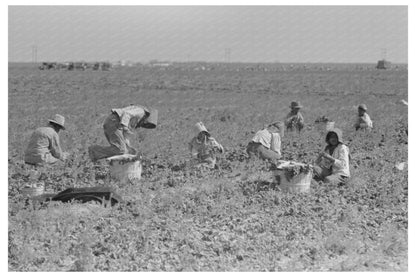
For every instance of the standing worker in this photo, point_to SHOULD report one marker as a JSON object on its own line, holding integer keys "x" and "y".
{"x": 266, "y": 143}
{"x": 44, "y": 146}
{"x": 294, "y": 120}
{"x": 119, "y": 126}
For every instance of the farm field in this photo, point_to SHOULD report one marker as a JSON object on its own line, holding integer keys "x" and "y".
{"x": 230, "y": 219}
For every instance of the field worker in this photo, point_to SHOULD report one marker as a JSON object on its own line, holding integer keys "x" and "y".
{"x": 266, "y": 143}
{"x": 44, "y": 146}
{"x": 203, "y": 147}
{"x": 118, "y": 128}
{"x": 332, "y": 165}
{"x": 294, "y": 120}
{"x": 363, "y": 121}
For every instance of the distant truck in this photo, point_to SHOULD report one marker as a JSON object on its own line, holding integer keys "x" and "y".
{"x": 383, "y": 64}
{"x": 47, "y": 66}
{"x": 101, "y": 65}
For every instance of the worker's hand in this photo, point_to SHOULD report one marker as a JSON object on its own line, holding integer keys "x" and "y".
{"x": 127, "y": 131}
{"x": 65, "y": 155}
{"x": 327, "y": 156}
{"x": 131, "y": 150}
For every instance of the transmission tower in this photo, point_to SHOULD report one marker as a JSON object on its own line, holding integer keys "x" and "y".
{"x": 227, "y": 55}
{"x": 34, "y": 53}
{"x": 384, "y": 53}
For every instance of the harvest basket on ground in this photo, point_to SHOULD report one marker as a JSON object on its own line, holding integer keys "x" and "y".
{"x": 32, "y": 189}
{"x": 323, "y": 124}
{"x": 293, "y": 176}
{"x": 125, "y": 168}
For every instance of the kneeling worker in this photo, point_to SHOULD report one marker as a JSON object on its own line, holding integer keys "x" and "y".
{"x": 332, "y": 165}
{"x": 203, "y": 147}
{"x": 266, "y": 143}
{"x": 44, "y": 146}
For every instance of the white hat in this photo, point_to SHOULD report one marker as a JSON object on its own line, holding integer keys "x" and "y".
{"x": 59, "y": 120}
{"x": 199, "y": 127}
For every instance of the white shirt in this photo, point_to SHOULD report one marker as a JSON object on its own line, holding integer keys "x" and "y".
{"x": 269, "y": 140}
{"x": 364, "y": 121}
{"x": 130, "y": 116}
{"x": 341, "y": 164}
{"x": 44, "y": 141}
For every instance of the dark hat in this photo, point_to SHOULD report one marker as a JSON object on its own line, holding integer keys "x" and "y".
{"x": 151, "y": 120}
{"x": 337, "y": 131}
{"x": 295, "y": 104}
{"x": 363, "y": 107}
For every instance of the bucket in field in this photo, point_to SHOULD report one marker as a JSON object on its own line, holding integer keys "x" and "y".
{"x": 32, "y": 190}
{"x": 293, "y": 176}
{"x": 324, "y": 126}
{"x": 125, "y": 168}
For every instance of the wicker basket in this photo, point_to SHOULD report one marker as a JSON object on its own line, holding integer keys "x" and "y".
{"x": 32, "y": 190}
{"x": 324, "y": 126}
{"x": 293, "y": 176}
{"x": 125, "y": 168}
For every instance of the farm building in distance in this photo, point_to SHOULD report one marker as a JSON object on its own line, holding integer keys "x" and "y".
{"x": 383, "y": 64}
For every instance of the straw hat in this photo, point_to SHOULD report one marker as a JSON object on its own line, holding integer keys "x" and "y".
{"x": 151, "y": 120}
{"x": 363, "y": 107}
{"x": 277, "y": 124}
{"x": 295, "y": 105}
{"x": 59, "y": 120}
{"x": 280, "y": 126}
{"x": 199, "y": 127}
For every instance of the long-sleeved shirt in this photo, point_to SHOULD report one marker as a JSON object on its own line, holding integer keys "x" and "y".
{"x": 269, "y": 140}
{"x": 204, "y": 149}
{"x": 341, "y": 165}
{"x": 130, "y": 116}
{"x": 43, "y": 143}
{"x": 294, "y": 121}
{"x": 363, "y": 121}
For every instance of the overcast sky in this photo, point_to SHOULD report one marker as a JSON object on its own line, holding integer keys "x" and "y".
{"x": 203, "y": 33}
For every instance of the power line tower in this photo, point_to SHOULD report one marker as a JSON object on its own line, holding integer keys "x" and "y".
{"x": 383, "y": 53}
{"x": 227, "y": 55}
{"x": 34, "y": 53}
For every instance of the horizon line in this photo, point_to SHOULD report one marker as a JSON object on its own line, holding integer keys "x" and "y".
{"x": 222, "y": 62}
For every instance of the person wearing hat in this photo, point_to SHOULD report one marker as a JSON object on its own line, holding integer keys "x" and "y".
{"x": 332, "y": 165}
{"x": 44, "y": 146}
{"x": 294, "y": 120}
{"x": 266, "y": 143}
{"x": 363, "y": 121}
{"x": 118, "y": 128}
{"x": 203, "y": 147}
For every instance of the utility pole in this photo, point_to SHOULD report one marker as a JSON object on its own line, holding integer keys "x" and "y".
{"x": 384, "y": 53}
{"x": 227, "y": 55}
{"x": 34, "y": 53}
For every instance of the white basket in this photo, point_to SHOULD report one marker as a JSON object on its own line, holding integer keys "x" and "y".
{"x": 125, "y": 168}
{"x": 33, "y": 190}
{"x": 324, "y": 126}
{"x": 299, "y": 183}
